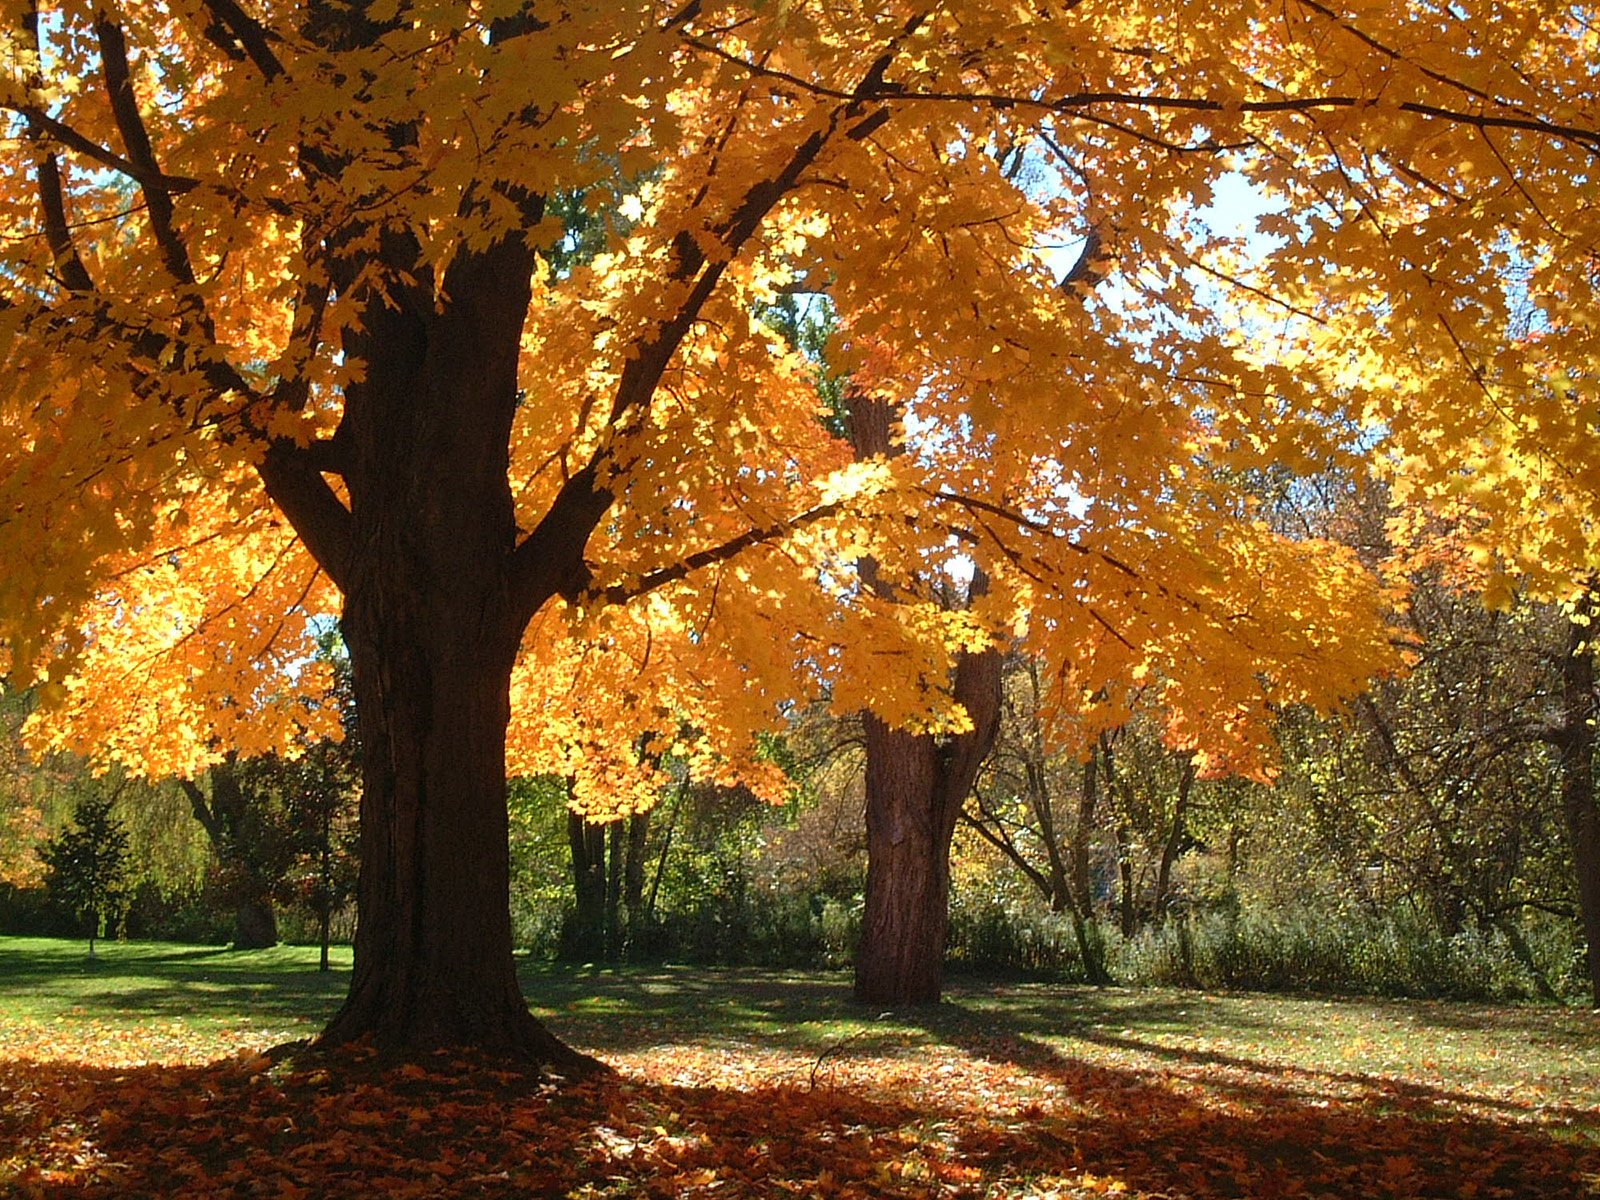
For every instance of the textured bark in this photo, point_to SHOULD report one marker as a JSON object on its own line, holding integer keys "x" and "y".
{"x": 916, "y": 785}
{"x": 433, "y": 621}
{"x": 433, "y": 961}
{"x": 1577, "y": 782}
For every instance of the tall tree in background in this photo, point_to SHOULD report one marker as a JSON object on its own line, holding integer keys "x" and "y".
{"x": 287, "y": 328}
{"x": 249, "y": 841}
{"x": 1511, "y": 682}
{"x": 86, "y": 866}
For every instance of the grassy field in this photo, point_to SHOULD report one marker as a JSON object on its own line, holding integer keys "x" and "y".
{"x": 1005, "y": 1089}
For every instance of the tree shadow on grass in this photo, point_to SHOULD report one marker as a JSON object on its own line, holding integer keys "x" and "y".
{"x": 621, "y": 1010}
{"x": 1172, "y": 1122}
{"x": 133, "y": 981}
{"x": 1241, "y": 1127}
{"x": 454, "y": 1128}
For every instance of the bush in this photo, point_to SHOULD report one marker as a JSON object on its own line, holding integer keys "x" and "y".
{"x": 1343, "y": 951}
{"x": 183, "y": 914}
{"x": 737, "y": 924}
{"x": 30, "y": 912}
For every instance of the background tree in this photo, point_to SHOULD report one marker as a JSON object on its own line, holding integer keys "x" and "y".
{"x": 87, "y": 867}
{"x": 320, "y": 792}
{"x": 21, "y": 820}
{"x": 1515, "y": 751}
{"x": 1039, "y": 806}
{"x": 251, "y": 841}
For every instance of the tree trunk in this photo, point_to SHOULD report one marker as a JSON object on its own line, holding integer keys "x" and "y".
{"x": 436, "y": 600}
{"x": 254, "y": 925}
{"x": 1577, "y": 780}
{"x": 1127, "y": 908}
{"x": 1174, "y": 842}
{"x": 433, "y": 947}
{"x": 633, "y": 881}
{"x": 1091, "y": 942}
{"x": 1088, "y": 801}
{"x": 901, "y": 956}
{"x": 613, "y": 922}
{"x": 439, "y": 583}
{"x": 586, "y": 937}
{"x": 916, "y": 786}
{"x": 325, "y": 886}
{"x": 223, "y": 816}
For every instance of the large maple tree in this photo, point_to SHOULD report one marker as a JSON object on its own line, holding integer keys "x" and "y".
{"x": 292, "y": 322}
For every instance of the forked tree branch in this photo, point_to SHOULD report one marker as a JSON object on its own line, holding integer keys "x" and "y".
{"x": 549, "y": 562}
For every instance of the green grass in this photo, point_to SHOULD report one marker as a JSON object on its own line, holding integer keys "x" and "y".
{"x": 1533, "y": 1058}
{"x": 119, "y": 1077}
{"x": 1529, "y": 1057}
{"x": 45, "y": 978}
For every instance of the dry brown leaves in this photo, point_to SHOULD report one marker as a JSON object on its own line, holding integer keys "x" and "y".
{"x": 1006, "y": 1116}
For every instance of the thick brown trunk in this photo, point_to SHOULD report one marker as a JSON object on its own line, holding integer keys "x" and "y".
{"x": 433, "y": 947}
{"x": 433, "y": 619}
{"x": 916, "y": 785}
{"x": 1577, "y": 782}
{"x": 900, "y": 960}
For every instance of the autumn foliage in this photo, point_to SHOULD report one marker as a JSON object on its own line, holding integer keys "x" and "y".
{"x": 302, "y": 314}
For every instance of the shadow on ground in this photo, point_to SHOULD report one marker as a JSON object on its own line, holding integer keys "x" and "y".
{"x": 464, "y": 1129}
{"x": 1003, "y": 1091}
{"x": 133, "y": 981}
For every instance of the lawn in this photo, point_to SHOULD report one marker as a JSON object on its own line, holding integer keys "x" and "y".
{"x": 140, "y": 1075}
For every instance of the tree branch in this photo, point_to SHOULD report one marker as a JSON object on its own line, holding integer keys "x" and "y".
{"x": 712, "y": 555}
{"x": 295, "y": 484}
{"x": 89, "y": 148}
{"x": 1085, "y": 103}
{"x": 136, "y": 141}
{"x": 253, "y": 38}
{"x": 52, "y": 199}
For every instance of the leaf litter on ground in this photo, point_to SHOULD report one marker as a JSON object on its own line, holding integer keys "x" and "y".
{"x": 95, "y": 1110}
